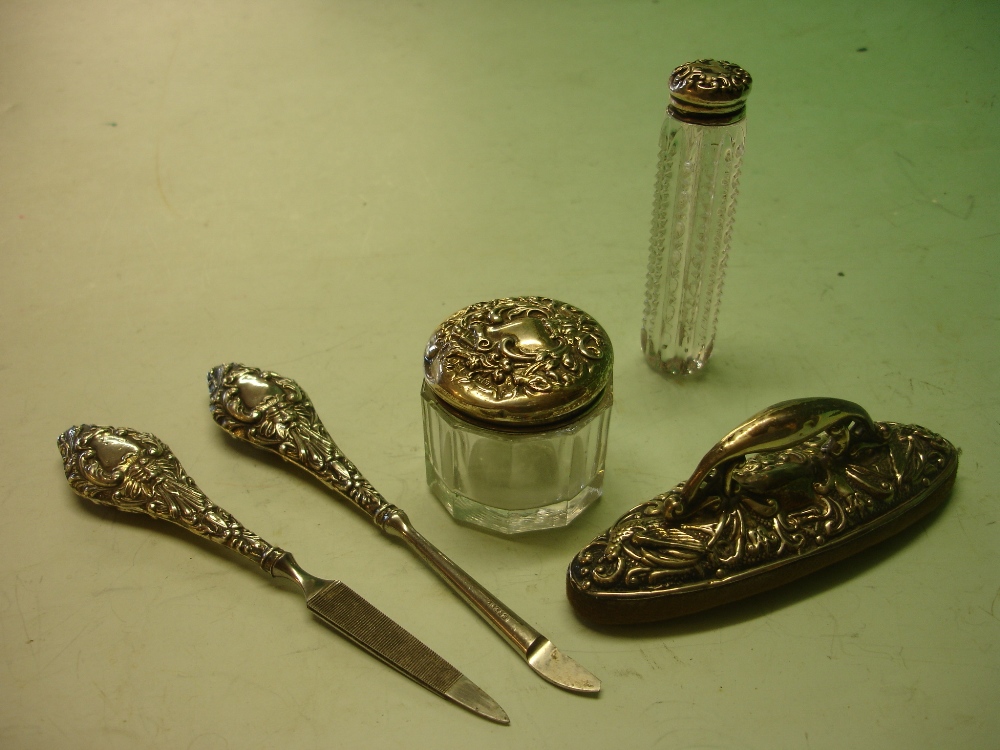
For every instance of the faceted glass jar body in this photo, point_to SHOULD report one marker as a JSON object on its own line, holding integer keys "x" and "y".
{"x": 694, "y": 205}
{"x": 510, "y": 481}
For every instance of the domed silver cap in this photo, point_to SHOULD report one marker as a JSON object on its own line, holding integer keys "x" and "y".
{"x": 709, "y": 92}
{"x": 518, "y": 361}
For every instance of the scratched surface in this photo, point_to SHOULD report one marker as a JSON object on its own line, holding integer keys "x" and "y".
{"x": 312, "y": 187}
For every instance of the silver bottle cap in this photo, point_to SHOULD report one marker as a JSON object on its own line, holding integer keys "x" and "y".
{"x": 709, "y": 92}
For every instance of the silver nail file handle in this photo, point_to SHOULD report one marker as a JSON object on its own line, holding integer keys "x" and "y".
{"x": 135, "y": 472}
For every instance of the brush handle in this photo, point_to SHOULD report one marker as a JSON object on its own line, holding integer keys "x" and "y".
{"x": 781, "y": 426}
{"x": 274, "y": 413}
{"x": 137, "y": 473}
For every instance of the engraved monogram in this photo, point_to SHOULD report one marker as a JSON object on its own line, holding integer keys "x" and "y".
{"x": 763, "y": 508}
{"x": 136, "y": 472}
{"x": 522, "y": 347}
{"x": 273, "y": 412}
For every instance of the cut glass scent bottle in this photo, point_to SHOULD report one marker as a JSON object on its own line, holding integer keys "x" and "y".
{"x": 694, "y": 205}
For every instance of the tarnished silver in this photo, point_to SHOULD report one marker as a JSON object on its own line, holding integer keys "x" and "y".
{"x": 274, "y": 413}
{"x": 519, "y": 362}
{"x": 796, "y": 487}
{"x": 516, "y": 404}
{"x": 136, "y": 472}
{"x": 709, "y": 92}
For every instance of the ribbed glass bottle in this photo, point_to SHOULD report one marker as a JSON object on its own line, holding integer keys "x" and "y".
{"x": 694, "y": 206}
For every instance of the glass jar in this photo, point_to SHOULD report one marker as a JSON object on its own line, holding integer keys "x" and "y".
{"x": 516, "y": 402}
{"x": 694, "y": 205}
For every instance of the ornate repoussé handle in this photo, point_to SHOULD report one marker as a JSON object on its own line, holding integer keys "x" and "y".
{"x": 777, "y": 427}
{"x": 136, "y": 472}
{"x": 274, "y": 413}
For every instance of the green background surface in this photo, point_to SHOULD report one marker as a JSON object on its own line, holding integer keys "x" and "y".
{"x": 311, "y": 187}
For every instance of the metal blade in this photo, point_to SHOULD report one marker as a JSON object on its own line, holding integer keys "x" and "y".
{"x": 353, "y": 617}
{"x": 559, "y": 669}
{"x": 255, "y": 405}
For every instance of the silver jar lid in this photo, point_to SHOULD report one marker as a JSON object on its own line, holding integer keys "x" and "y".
{"x": 709, "y": 92}
{"x": 519, "y": 361}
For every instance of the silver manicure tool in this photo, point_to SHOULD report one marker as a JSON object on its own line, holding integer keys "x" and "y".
{"x": 137, "y": 473}
{"x": 274, "y": 413}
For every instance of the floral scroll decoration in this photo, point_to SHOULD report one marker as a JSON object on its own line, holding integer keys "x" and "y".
{"x": 136, "y": 472}
{"x": 714, "y": 78}
{"x": 273, "y": 412}
{"x": 510, "y": 348}
{"x": 764, "y": 508}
